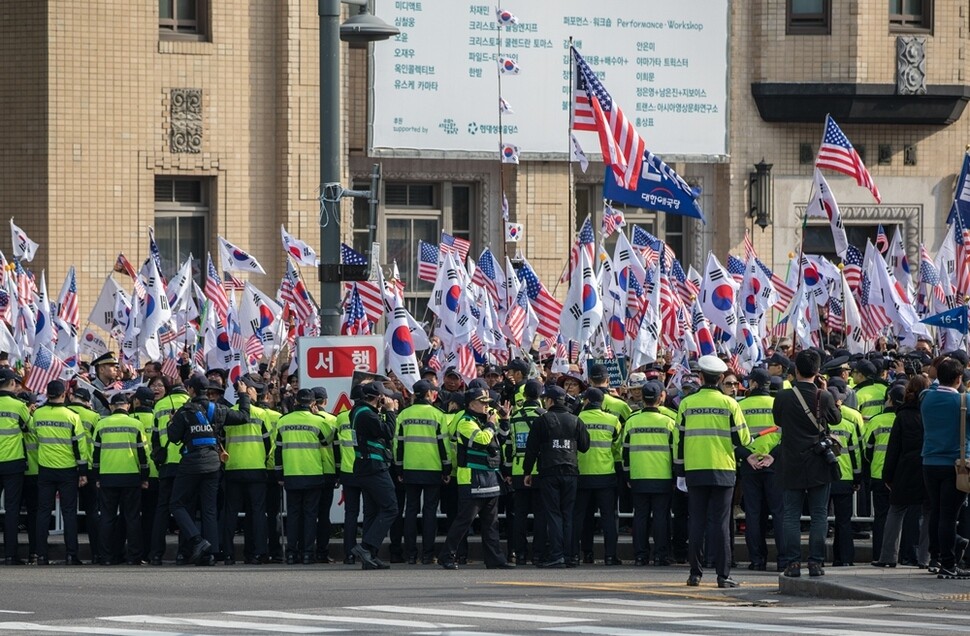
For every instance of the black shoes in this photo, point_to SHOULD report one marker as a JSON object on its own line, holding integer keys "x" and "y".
{"x": 350, "y": 559}
{"x": 794, "y": 570}
{"x": 552, "y": 565}
{"x": 880, "y": 564}
{"x": 308, "y": 559}
{"x": 727, "y": 582}
{"x": 640, "y": 563}
{"x": 291, "y": 559}
{"x": 427, "y": 560}
{"x": 412, "y": 560}
{"x": 72, "y": 560}
{"x": 612, "y": 560}
{"x": 368, "y": 561}
{"x": 662, "y": 563}
{"x": 952, "y": 572}
{"x": 230, "y": 561}
{"x": 588, "y": 558}
{"x": 501, "y": 566}
{"x": 448, "y": 562}
{"x": 13, "y": 561}
{"x": 198, "y": 549}
{"x": 815, "y": 569}
{"x": 757, "y": 567}
{"x": 156, "y": 561}
{"x": 41, "y": 560}
{"x": 693, "y": 580}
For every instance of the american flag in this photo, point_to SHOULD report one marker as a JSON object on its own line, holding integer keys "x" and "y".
{"x": 124, "y": 266}
{"x": 621, "y": 145}
{"x": 166, "y": 334}
{"x": 518, "y": 314}
{"x": 45, "y": 368}
{"x": 874, "y": 317}
{"x": 456, "y": 245}
{"x": 170, "y": 367}
{"x": 214, "y": 291}
{"x": 586, "y": 241}
{"x": 612, "y": 219}
{"x": 254, "y": 348}
{"x": 686, "y": 288}
{"x": 487, "y": 277}
{"x": 652, "y": 247}
{"x": 670, "y": 307}
{"x": 355, "y": 321}
{"x": 466, "y": 363}
{"x": 735, "y": 267}
{"x": 882, "y": 241}
{"x": 635, "y": 305}
{"x": 780, "y": 330}
{"x": 294, "y": 294}
{"x": 852, "y": 267}
{"x": 231, "y": 283}
{"x": 350, "y": 256}
{"x": 545, "y": 305}
{"x": 427, "y": 262}
{"x": 67, "y": 304}
{"x": 748, "y": 247}
{"x": 929, "y": 275}
{"x": 836, "y": 153}
{"x": 835, "y": 318}
{"x": 371, "y": 298}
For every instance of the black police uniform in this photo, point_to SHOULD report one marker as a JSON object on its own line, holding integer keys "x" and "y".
{"x": 198, "y": 426}
{"x": 556, "y": 437}
{"x": 374, "y": 432}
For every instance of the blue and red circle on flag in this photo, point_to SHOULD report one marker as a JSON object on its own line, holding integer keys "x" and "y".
{"x": 452, "y": 297}
{"x": 401, "y": 342}
{"x": 589, "y": 298}
{"x": 723, "y": 297}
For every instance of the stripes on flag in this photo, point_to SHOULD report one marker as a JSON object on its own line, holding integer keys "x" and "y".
{"x": 547, "y": 308}
{"x": 836, "y": 153}
{"x": 370, "y": 297}
{"x": 852, "y": 267}
{"x": 214, "y": 291}
{"x": 427, "y": 262}
{"x": 231, "y": 283}
{"x": 45, "y": 368}
{"x": 457, "y": 246}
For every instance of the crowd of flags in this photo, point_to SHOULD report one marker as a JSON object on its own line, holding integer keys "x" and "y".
{"x": 226, "y": 323}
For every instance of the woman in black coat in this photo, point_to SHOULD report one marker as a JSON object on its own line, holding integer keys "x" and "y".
{"x": 903, "y": 474}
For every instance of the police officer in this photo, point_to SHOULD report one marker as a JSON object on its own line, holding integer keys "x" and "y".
{"x": 274, "y": 492}
{"x": 14, "y": 419}
{"x": 648, "y": 443}
{"x": 517, "y": 372}
{"x": 105, "y": 374}
{"x": 301, "y": 436}
{"x": 198, "y": 427}
{"x": 142, "y": 402}
{"x": 761, "y": 493}
{"x": 422, "y": 465}
{"x": 710, "y": 426}
{"x": 248, "y": 445}
{"x": 329, "y": 455}
{"x": 481, "y": 432}
{"x": 62, "y": 469}
{"x": 166, "y": 456}
{"x": 599, "y": 377}
{"x": 869, "y": 389}
{"x": 597, "y": 472}
{"x": 850, "y": 470}
{"x": 348, "y": 482}
{"x": 373, "y": 428}
{"x": 526, "y": 499}
{"x": 120, "y": 471}
{"x": 554, "y": 440}
{"x": 79, "y": 401}
{"x": 875, "y": 441}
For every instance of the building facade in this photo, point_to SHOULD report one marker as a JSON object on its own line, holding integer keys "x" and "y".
{"x": 201, "y": 118}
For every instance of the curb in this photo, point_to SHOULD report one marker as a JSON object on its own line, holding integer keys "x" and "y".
{"x": 819, "y": 588}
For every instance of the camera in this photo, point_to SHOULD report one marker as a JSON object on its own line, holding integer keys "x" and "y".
{"x": 824, "y": 448}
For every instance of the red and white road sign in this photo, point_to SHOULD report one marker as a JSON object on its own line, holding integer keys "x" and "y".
{"x": 331, "y": 361}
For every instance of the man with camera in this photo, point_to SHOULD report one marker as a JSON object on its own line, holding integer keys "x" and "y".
{"x": 809, "y": 461}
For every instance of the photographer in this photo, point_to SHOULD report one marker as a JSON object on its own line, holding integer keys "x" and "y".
{"x": 808, "y": 461}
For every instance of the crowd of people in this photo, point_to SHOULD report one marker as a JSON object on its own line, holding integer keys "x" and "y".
{"x": 809, "y": 433}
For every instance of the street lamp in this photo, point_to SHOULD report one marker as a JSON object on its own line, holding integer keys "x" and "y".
{"x": 760, "y": 194}
{"x": 358, "y": 31}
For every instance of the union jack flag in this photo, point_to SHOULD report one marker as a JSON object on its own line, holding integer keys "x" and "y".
{"x": 456, "y": 245}
{"x": 594, "y": 109}
{"x": 45, "y": 368}
{"x": 427, "y": 262}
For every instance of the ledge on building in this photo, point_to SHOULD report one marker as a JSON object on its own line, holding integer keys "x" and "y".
{"x": 859, "y": 103}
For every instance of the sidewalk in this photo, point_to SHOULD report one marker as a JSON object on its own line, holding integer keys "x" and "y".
{"x": 867, "y": 583}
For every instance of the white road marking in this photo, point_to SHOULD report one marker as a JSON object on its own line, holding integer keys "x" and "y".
{"x": 757, "y": 627}
{"x": 73, "y": 629}
{"x": 444, "y": 611}
{"x": 14, "y": 612}
{"x": 589, "y": 610}
{"x": 357, "y": 620}
{"x": 205, "y": 622}
{"x": 875, "y": 622}
{"x": 814, "y": 609}
{"x": 597, "y": 630}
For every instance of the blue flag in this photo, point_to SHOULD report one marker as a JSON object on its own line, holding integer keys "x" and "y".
{"x": 960, "y": 210}
{"x": 955, "y": 318}
{"x": 658, "y": 188}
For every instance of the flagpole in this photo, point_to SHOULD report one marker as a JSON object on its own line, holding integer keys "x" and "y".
{"x": 501, "y": 138}
{"x": 571, "y": 203}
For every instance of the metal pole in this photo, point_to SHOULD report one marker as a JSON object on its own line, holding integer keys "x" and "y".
{"x": 375, "y": 181}
{"x": 329, "y": 12}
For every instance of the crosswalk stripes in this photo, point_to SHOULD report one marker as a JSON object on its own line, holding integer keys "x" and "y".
{"x": 599, "y": 616}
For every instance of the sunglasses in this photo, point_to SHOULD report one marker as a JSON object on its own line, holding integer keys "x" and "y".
{"x": 731, "y": 383}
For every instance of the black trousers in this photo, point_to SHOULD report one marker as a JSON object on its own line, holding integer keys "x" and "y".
{"x": 186, "y": 488}
{"x": 678, "y": 526}
{"x": 30, "y": 505}
{"x": 761, "y": 496}
{"x": 605, "y": 500}
{"x": 149, "y": 504}
{"x": 880, "y": 509}
{"x": 558, "y": 494}
{"x": 129, "y": 500}
{"x": 163, "y": 511}
{"x": 89, "y": 500}
{"x": 843, "y": 547}
{"x": 50, "y": 483}
{"x": 525, "y": 501}
{"x": 251, "y": 497}
{"x": 274, "y": 505}
{"x": 397, "y": 527}
{"x": 487, "y": 511}
{"x": 421, "y": 498}
{"x": 352, "y": 497}
{"x": 302, "y": 508}
{"x": 449, "y": 506}
{"x": 945, "y": 504}
{"x": 380, "y": 508}
{"x": 323, "y": 518}
{"x": 12, "y": 487}
{"x": 714, "y": 503}
{"x": 651, "y": 509}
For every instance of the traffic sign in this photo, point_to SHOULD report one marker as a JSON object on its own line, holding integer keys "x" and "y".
{"x": 331, "y": 361}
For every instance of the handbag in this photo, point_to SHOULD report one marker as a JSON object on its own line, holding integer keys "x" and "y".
{"x": 834, "y": 442}
{"x": 963, "y": 470}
